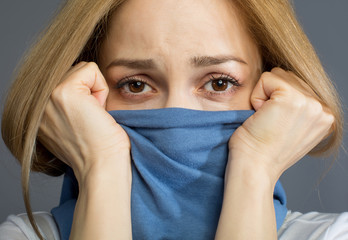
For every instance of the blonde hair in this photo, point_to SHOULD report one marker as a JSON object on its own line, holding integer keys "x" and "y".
{"x": 75, "y": 35}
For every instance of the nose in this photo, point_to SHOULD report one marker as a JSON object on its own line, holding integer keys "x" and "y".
{"x": 181, "y": 97}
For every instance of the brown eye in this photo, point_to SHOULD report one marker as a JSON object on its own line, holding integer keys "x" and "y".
{"x": 219, "y": 84}
{"x": 133, "y": 85}
{"x": 136, "y": 86}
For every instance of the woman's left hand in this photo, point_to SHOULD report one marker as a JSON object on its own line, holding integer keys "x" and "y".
{"x": 289, "y": 121}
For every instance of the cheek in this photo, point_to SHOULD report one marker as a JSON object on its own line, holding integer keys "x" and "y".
{"x": 239, "y": 101}
{"x": 242, "y": 99}
{"x": 116, "y": 102}
{"x": 111, "y": 102}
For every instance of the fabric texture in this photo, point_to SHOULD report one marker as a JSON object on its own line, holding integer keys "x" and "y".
{"x": 18, "y": 227}
{"x": 178, "y": 164}
{"x": 296, "y": 226}
{"x": 314, "y": 226}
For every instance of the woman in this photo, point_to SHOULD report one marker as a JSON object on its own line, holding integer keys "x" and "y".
{"x": 201, "y": 55}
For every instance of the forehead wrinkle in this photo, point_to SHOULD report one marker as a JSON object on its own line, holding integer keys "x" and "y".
{"x": 134, "y": 63}
{"x": 172, "y": 41}
{"x": 196, "y": 61}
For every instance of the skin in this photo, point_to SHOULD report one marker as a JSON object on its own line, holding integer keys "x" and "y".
{"x": 98, "y": 149}
{"x": 172, "y": 42}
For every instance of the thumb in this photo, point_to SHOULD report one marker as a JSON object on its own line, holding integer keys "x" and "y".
{"x": 100, "y": 89}
{"x": 268, "y": 87}
{"x": 95, "y": 82}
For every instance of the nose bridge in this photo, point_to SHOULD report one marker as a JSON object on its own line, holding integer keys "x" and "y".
{"x": 180, "y": 94}
{"x": 177, "y": 99}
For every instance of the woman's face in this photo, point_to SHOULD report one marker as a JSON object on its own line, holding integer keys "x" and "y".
{"x": 193, "y": 54}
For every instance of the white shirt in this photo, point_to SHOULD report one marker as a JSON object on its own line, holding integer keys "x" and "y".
{"x": 297, "y": 226}
{"x": 18, "y": 227}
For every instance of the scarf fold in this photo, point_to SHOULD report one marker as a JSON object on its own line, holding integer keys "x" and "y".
{"x": 179, "y": 158}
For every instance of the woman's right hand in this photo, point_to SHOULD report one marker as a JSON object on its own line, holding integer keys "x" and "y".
{"x": 75, "y": 126}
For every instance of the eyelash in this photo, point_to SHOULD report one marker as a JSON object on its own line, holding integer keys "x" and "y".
{"x": 225, "y": 77}
{"x": 129, "y": 79}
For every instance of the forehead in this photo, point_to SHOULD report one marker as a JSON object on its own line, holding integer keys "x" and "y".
{"x": 165, "y": 28}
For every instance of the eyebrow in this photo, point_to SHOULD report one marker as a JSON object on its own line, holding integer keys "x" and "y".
{"x": 197, "y": 61}
{"x": 204, "y": 61}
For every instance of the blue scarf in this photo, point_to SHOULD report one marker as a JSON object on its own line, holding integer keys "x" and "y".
{"x": 178, "y": 164}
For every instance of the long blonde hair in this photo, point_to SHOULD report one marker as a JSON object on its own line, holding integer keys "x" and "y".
{"x": 75, "y": 34}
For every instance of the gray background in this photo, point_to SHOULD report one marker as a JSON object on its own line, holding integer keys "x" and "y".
{"x": 325, "y": 22}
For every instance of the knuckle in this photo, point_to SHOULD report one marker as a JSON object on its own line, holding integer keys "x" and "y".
{"x": 330, "y": 119}
{"x": 107, "y": 90}
{"x": 315, "y": 107}
{"x": 59, "y": 94}
{"x": 91, "y": 66}
{"x": 55, "y": 94}
{"x": 299, "y": 102}
{"x": 265, "y": 76}
{"x": 316, "y": 111}
{"x": 82, "y": 63}
{"x": 277, "y": 70}
{"x": 318, "y": 107}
